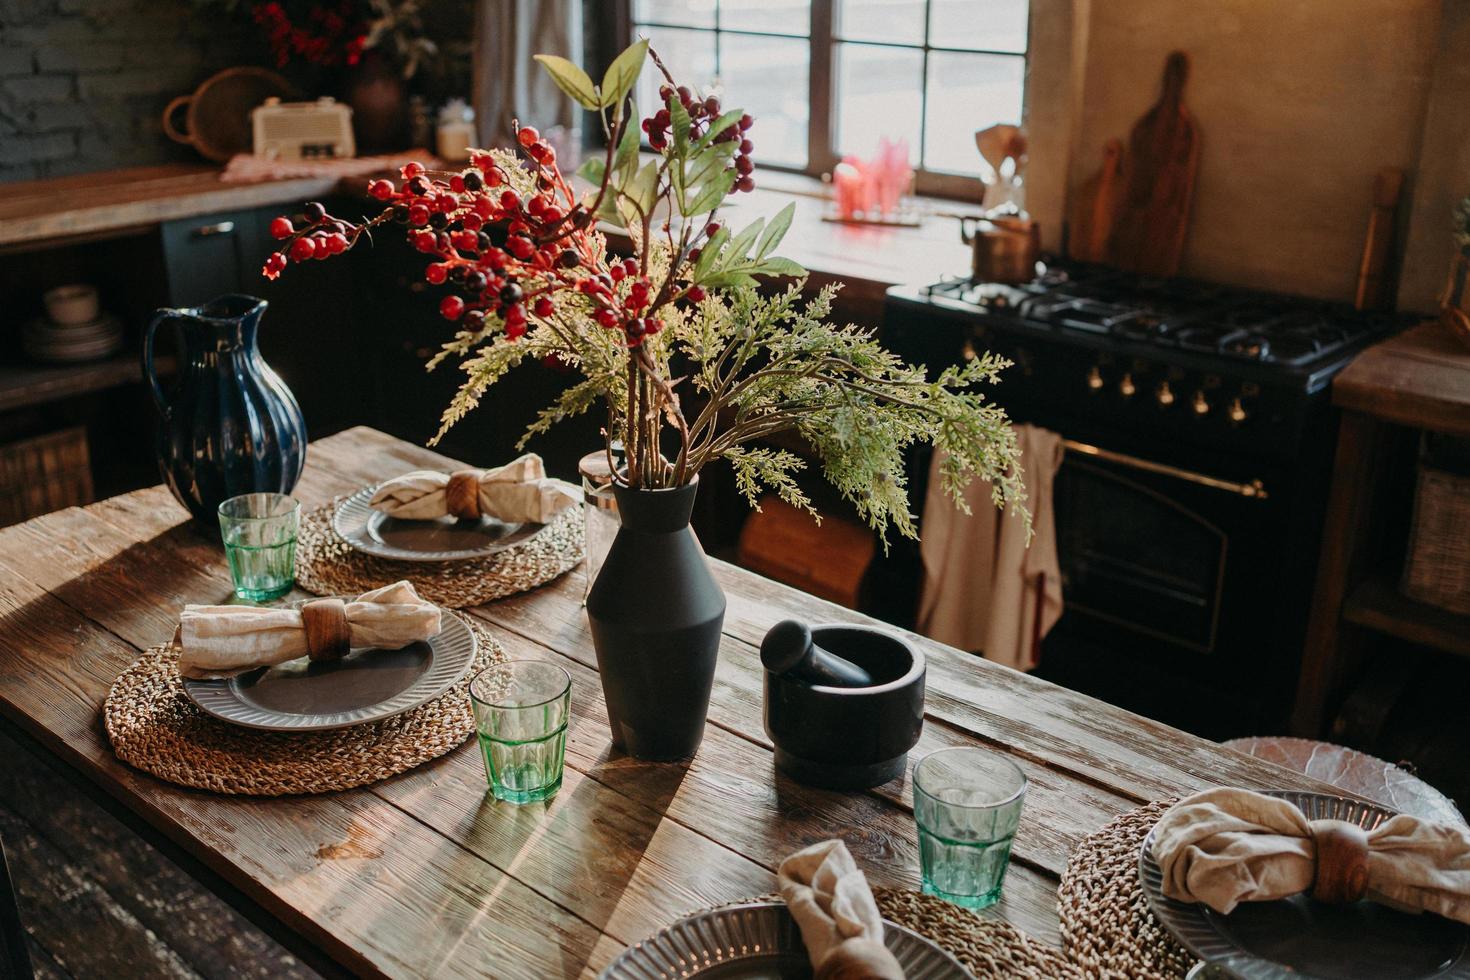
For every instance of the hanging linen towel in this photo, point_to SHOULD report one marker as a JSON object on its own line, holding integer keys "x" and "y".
{"x": 980, "y": 578}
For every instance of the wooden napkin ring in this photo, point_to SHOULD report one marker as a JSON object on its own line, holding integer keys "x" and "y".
{"x": 462, "y": 495}
{"x": 328, "y": 635}
{"x": 1341, "y": 877}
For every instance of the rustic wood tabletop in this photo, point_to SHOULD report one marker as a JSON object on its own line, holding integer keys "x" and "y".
{"x": 424, "y": 875}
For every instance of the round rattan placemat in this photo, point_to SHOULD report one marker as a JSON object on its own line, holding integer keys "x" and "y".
{"x": 155, "y": 727}
{"x": 1107, "y": 927}
{"x": 989, "y": 948}
{"x": 328, "y": 565}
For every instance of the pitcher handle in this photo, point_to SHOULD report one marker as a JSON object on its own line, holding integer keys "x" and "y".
{"x": 151, "y": 375}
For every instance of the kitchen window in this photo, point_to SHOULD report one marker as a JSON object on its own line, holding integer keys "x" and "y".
{"x": 827, "y": 78}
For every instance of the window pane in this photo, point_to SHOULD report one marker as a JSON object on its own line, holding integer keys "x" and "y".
{"x": 767, "y": 77}
{"x": 693, "y": 13}
{"x": 877, "y": 96}
{"x": 767, "y": 16}
{"x": 894, "y": 21}
{"x": 968, "y": 92}
{"x": 690, "y": 56}
{"x": 994, "y": 25}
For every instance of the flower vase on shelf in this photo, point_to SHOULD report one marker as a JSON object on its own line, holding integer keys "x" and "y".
{"x": 379, "y": 100}
{"x": 656, "y": 612}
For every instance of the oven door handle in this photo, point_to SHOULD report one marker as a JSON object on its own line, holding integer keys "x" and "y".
{"x": 1255, "y": 489}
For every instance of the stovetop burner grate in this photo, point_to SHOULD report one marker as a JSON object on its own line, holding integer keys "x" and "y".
{"x": 1204, "y": 318}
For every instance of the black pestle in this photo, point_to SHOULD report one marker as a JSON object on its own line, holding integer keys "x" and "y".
{"x": 788, "y": 649}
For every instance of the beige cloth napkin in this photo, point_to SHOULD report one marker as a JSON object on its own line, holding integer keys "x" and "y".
{"x": 980, "y": 577}
{"x": 518, "y": 492}
{"x": 221, "y": 641}
{"x": 830, "y": 900}
{"x": 1225, "y": 846}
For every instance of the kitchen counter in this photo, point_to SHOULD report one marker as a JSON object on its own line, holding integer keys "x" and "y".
{"x": 1420, "y": 378}
{"x": 868, "y": 258}
{"x": 98, "y": 204}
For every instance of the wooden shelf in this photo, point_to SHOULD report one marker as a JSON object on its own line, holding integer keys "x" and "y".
{"x": 1378, "y": 605}
{"x": 22, "y": 385}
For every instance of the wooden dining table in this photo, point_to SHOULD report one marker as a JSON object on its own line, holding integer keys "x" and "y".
{"x": 426, "y": 875}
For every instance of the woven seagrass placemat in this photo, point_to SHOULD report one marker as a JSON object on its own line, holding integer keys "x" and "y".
{"x": 1107, "y": 927}
{"x": 155, "y": 727}
{"x": 328, "y": 565}
{"x": 988, "y": 948}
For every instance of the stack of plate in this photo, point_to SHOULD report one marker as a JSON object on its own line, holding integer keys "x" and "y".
{"x": 66, "y": 343}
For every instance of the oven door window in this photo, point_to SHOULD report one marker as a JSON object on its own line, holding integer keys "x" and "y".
{"x": 1138, "y": 558}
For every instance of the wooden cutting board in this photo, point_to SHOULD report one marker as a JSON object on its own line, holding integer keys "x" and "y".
{"x": 1096, "y": 206}
{"x": 1163, "y": 156}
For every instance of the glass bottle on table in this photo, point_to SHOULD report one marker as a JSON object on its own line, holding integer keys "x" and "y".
{"x": 600, "y": 512}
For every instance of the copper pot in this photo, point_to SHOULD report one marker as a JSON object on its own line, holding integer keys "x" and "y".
{"x": 1005, "y": 248}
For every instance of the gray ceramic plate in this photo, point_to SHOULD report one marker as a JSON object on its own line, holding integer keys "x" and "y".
{"x": 366, "y": 685}
{"x": 445, "y": 539}
{"x": 1299, "y": 939}
{"x": 759, "y": 941}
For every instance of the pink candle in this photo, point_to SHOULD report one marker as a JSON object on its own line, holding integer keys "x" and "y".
{"x": 847, "y": 187}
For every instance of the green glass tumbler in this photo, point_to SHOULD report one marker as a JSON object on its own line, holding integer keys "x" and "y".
{"x": 967, "y": 803}
{"x": 521, "y": 713}
{"x": 259, "y": 531}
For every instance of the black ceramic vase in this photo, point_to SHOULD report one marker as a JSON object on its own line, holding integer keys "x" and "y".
{"x": 230, "y": 425}
{"x": 656, "y": 614}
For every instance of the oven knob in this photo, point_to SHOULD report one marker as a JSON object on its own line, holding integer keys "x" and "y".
{"x": 1126, "y": 387}
{"x": 1200, "y": 406}
{"x": 1164, "y": 394}
{"x": 1236, "y": 411}
{"x": 1094, "y": 378}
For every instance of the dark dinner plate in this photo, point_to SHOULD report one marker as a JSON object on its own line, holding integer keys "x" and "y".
{"x": 759, "y": 941}
{"x": 1298, "y": 938}
{"x": 366, "y": 685}
{"x": 445, "y": 539}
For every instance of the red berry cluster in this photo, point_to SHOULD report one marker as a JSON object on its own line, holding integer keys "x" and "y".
{"x": 547, "y": 249}
{"x": 703, "y": 114}
{"x": 328, "y": 33}
{"x": 321, "y": 237}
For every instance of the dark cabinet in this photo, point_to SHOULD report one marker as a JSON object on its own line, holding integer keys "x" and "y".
{"x": 206, "y": 257}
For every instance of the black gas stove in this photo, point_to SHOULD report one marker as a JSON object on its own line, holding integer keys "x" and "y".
{"x": 1246, "y": 329}
{"x": 1199, "y": 438}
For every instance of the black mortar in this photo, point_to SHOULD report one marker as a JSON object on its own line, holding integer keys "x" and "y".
{"x": 849, "y": 737}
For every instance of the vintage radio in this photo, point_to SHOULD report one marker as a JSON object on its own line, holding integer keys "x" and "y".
{"x": 302, "y": 130}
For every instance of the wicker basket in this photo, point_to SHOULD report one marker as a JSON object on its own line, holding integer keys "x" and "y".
{"x": 44, "y": 474}
{"x": 1437, "y": 568}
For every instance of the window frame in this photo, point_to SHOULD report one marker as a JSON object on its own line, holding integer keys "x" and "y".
{"x": 821, "y": 121}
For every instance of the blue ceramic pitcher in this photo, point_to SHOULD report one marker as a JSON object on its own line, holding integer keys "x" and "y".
{"x": 230, "y": 426}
